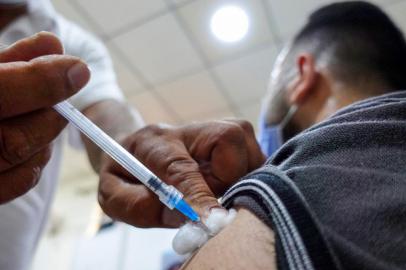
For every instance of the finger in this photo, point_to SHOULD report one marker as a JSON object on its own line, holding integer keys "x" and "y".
{"x": 40, "y": 83}
{"x": 172, "y": 165}
{"x": 223, "y": 145}
{"x": 22, "y": 137}
{"x": 186, "y": 177}
{"x": 216, "y": 184}
{"x": 229, "y": 156}
{"x": 132, "y": 204}
{"x": 255, "y": 156}
{"x": 164, "y": 154}
{"x": 18, "y": 180}
{"x": 124, "y": 198}
{"x": 42, "y": 43}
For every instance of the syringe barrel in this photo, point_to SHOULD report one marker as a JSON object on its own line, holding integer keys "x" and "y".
{"x": 169, "y": 195}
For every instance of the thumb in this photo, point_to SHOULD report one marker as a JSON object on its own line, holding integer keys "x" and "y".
{"x": 186, "y": 177}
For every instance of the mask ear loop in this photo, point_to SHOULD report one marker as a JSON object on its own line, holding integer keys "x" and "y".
{"x": 292, "y": 110}
{"x": 276, "y": 101}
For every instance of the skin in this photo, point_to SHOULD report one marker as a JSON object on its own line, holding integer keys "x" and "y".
{"x": 318, "y": 94}
{"x": 28, "y": 124}
{"x": 192, "y": 158}
{"x": 203, "y": 159}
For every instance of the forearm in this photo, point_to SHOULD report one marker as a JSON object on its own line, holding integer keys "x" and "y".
{"x": 113, "y": 117}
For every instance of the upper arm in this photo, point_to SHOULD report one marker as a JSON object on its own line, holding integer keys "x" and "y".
{"x": 246, "y": 243}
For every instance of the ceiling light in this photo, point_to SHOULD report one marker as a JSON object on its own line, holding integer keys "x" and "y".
{"x": 229, "y": 23}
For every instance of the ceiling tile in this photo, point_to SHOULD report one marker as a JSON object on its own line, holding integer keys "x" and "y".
{"x": 397, "y": 12}
{"x": 180, "y": 2}
{"x": 126, "y": 79}
{"x": 112, "y": 15}
{"x": 196, "y": 16}
{"x": 193, "y": 95}
{"x": 384, "y": 3}
{"x": 151, "y": 109}
{"x": 290, "y": 15}
{"x": 159, "y": 49}
{"x": 246, "y": 79}
{"x": 214, "y": 115}
{"x": 66, "y": 9}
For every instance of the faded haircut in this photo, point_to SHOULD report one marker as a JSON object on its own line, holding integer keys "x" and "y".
{"x": 357, "y": 42}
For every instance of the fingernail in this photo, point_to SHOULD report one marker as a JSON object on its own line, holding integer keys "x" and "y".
{"x": 78, "y": 75}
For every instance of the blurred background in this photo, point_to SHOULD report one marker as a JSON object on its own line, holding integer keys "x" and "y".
{"x": 176, "y": 64}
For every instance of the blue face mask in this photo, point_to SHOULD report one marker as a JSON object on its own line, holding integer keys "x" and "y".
{"x": 271, "y": 136}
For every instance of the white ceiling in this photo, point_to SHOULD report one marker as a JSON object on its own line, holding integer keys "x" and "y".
{"x": 171, "y": 67}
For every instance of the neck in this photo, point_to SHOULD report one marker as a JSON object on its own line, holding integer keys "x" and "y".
{"x": 343, "y": 95}
{"x": 9, "y": 13}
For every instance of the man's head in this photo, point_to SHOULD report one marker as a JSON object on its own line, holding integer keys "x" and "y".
{"x": 346, "y": 52}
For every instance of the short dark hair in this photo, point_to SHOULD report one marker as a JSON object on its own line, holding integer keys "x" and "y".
{"x": 364, "y": 41}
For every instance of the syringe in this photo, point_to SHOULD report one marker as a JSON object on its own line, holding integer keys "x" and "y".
{"x": 167, "y": 194}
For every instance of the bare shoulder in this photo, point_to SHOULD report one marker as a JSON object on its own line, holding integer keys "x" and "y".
{"x": 246, "y": 243}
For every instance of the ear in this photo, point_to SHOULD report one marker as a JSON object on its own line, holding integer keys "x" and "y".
{"x": 307, "y": 80}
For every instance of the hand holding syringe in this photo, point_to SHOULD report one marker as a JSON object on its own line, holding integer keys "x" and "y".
{"x": 167, "y": 194}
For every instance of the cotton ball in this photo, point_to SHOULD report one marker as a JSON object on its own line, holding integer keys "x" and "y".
{"x": 218, "y": 219}
{"x": 231, "y": 215}
{"x": 189, "y": 237}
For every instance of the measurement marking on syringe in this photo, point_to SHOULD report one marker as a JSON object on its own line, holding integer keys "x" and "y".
{"x": 167, "y": 194}
{"x": 154, "y": 183}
